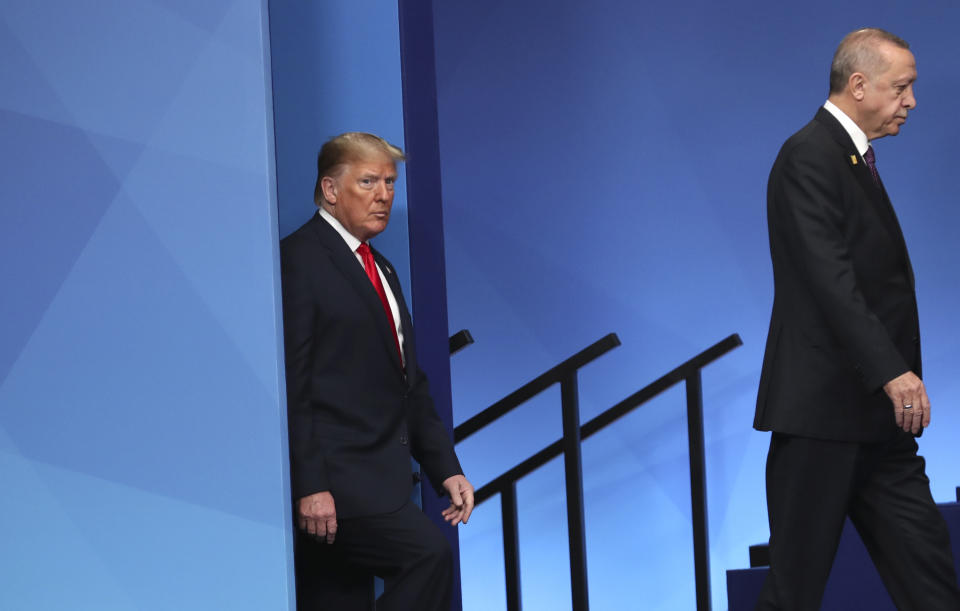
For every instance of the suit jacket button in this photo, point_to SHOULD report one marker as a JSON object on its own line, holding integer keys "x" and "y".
{"x": 403, "y": 440}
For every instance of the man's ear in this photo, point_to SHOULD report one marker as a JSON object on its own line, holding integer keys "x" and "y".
{"x": 857, "y": 85}
{"x": 330, "y": 188}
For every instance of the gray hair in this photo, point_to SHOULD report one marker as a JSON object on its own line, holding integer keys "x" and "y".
{"x": 859, "y": 52}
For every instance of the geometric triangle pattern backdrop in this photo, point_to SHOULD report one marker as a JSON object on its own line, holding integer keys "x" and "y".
{"x": 142, "y": 434}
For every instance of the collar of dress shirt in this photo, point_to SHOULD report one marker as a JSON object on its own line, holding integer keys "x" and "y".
{"x": 856, "y": 134}
{"x": 348, "y": 237}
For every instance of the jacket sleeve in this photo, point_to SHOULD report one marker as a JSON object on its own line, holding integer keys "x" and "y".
{"x": 807, "y": 214}
{"x": 430, "y": 441}
{"x": 307, "y": 463}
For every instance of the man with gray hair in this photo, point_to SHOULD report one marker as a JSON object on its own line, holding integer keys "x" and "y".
{"x": 357, "y": 403}
{"x": 840, "y": 387}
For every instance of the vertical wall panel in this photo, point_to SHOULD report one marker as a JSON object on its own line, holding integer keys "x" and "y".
{"x": 428, "y": 272}
{"x": 142, "y": 431}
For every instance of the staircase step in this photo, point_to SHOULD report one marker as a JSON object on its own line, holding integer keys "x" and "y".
{"x": 759, "y": 555}
{"x": 854, "y": 582}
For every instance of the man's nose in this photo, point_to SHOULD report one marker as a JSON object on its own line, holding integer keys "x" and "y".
{"x": 910, "y": 101}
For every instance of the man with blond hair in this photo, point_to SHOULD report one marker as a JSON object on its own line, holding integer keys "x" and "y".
{"x": 358, "y": 405}
{"x": 840, "y": 387}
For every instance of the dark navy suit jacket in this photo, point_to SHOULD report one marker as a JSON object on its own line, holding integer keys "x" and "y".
{"x": 844, "y": 319}
{"x": 356, "y": 415}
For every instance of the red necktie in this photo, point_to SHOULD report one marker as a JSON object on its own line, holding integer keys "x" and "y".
{"x": 371, "y": 268}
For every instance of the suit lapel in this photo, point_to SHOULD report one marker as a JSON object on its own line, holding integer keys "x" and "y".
{"x": 406, "y": 324}
{"x": 852, "y": 158}
{"x": 346, "y": 262}
{"x": 876, "y": 194}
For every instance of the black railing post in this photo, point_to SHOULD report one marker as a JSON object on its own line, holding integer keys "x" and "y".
{"x": 573, "y": 434}
{"x": 511, "y": 544}
{"x": 573, "y": 470}
{"x": 698, "y": 489}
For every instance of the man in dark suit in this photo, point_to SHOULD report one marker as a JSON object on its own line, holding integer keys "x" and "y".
{"x": 358, "y": 405}
{"x": 840, "y": 386}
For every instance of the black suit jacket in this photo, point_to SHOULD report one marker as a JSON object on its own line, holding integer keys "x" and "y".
{"x": 355, "y": 414}
{"x": 844, "y": 318}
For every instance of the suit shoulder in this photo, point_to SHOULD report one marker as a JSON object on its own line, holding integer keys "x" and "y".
{"x": 812, "y": 139}
{"x": 302, "y": 238}
{"x": 810, "y": 151}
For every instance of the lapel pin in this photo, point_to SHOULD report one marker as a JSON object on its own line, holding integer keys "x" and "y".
{"x": 853, "y": 159}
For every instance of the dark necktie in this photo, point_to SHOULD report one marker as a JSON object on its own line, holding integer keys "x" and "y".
{"x": 871, "y": 160}
{"x": 370, "y": 266}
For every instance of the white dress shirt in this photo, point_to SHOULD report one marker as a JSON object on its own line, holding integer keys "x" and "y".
{"x": 856, "y": 134}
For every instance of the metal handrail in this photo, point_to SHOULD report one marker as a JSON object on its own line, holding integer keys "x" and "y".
{"x": 534, "y": 387}
{"x": 460, "y": 340}
{"x": 565, "y": 374}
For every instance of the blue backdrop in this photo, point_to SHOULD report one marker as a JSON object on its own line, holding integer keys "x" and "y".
{"x": 142, "y": 429}
{"x": 142, "y": 437}
{"x": 604, "y": 169}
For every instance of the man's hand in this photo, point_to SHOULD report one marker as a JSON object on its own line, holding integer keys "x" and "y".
{"x": 911, "y": 406}
{"x": 461, "y": 500}
{"x": 318, "y": 516}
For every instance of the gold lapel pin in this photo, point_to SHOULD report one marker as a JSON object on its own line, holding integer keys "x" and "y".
{"x": 853, "y": 159}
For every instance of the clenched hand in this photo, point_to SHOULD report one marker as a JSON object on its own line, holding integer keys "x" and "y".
{"x": 318, "y": 516}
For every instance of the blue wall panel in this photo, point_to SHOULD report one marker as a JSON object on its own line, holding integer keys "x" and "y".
{"x": 142, "y": 435}
{"x": 604, "y": 169}
{"x": 336, "y": 68}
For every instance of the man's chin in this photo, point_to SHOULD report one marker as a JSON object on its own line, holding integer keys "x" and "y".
{"x": 895, "y": 128}
{"x": 377, "y": 227}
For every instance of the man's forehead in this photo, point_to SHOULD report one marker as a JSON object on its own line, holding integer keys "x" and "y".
{"x": 904, "y": 74}
{"x": 373, "y": 165}
{"x": 897, "y": 55}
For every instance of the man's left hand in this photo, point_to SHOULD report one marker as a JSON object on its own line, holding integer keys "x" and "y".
{"x": 461, "y": 499}
{"x": 911, "y": 405}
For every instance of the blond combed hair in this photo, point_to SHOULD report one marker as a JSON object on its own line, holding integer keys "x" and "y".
{"x": 350, "y": 147}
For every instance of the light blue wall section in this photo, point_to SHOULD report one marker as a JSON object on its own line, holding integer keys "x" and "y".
{"x": 142, "y": 431}
{"x": 604, "y": 169}
{"x": 336, "y": 68}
